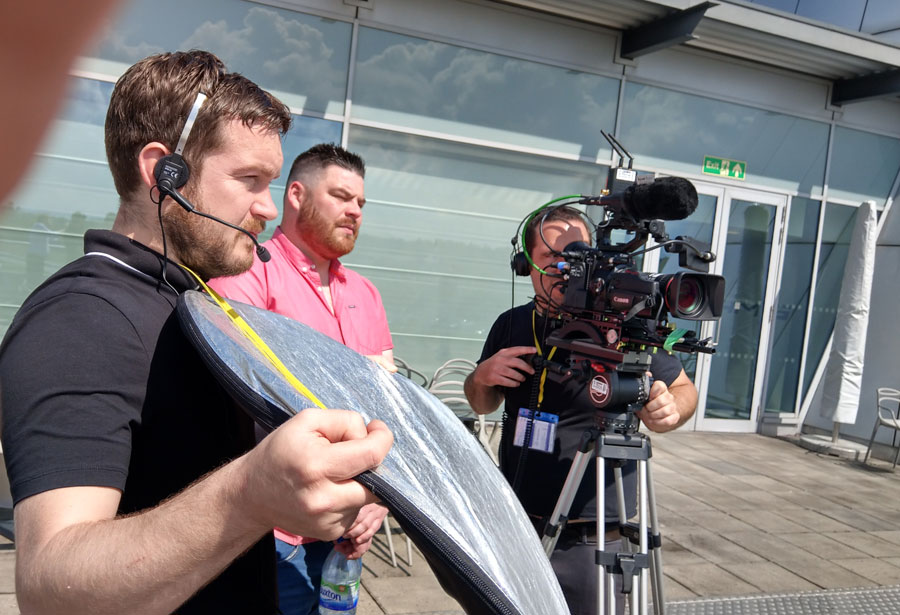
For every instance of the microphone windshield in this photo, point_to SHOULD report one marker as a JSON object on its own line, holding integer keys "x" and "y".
{"x": 262, "y": 253}
{"x": 666, "y": 198}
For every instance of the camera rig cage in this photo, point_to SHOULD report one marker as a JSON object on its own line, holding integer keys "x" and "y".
{"x": 612, "y": 316}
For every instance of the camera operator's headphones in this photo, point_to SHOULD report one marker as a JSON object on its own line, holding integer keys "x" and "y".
{"x": 520, "y": 260}
{"x": 171, "y": 171}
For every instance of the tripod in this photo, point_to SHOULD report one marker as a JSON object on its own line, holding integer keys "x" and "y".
{"x": 617, "y": 448}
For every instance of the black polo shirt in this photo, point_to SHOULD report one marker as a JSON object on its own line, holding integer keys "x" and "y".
{"x": 543, "y": 474}
{"x": 100, "y": 387}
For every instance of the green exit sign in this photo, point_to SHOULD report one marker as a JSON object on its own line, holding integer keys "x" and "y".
{"x": 723, "y": 167}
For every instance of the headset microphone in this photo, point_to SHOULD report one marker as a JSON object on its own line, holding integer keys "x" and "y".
{"x": 176, "y": 196}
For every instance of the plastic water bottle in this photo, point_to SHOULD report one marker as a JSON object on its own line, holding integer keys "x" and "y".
{"x": 339, "y": 590}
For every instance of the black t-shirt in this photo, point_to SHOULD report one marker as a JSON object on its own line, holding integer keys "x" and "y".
{"x": 100, "y": 388}
{"x": 543, "y": 474}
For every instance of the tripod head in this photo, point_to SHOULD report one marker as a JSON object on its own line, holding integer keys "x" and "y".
{"x": 616, "y": 383}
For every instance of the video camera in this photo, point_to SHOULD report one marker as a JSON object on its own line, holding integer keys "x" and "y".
{"x": 612, "y": 313}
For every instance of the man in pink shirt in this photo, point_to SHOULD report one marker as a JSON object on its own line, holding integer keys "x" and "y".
{"x": 304, "y": 280}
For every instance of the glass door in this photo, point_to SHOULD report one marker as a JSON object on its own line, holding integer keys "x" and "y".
{"x": 747, "y": 244}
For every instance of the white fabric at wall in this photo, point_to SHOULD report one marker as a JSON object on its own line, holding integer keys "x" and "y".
{"x": 844, "y": 370}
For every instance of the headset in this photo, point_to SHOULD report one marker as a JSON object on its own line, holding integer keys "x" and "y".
{"x": 172, "y": 172}
{"x": 520, "y": 260}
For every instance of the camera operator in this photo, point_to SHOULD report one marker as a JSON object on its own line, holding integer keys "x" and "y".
{"x": 505, "y": 373}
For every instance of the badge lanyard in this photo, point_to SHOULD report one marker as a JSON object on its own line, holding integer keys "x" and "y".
{"x": 540, "y": 353}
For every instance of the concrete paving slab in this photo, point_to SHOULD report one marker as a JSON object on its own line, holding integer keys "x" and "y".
{"x": 817, "y": 522}
{"x": 411, "y": 595}
{"x": 878, "y": 571}
{"x": 768, "y": 521}
{"x": 710, "y": 580}
{"x": 8, "y": 605}
{"x": 7, "y": 572}
{"x": 720, "y": 522}
{"x": 775, "y": 549}
{"x": 832, "y": 576}
{"x": 857, "y": 519}
{"x": 867, "y": 543}
{"x": 823, "y": 546}
{"x": 712, "y": 547}
{"x": 769, "y": 577}
{"x": 888, "y": 535}
{"x": 672, "y": 590}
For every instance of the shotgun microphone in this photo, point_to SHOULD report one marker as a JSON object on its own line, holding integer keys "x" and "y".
{"x": 665, "y": 198}
{"x": 165, "y": 188}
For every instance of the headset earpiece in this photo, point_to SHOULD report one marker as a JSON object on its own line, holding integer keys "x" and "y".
{"x": 519, "y": 264}
{"x": 171, "y": 172}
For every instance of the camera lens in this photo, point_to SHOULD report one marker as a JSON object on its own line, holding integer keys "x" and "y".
{"x": 690, "y": 296}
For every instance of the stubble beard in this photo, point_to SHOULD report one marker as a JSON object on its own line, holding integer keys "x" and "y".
{"x": 209, "y": 249}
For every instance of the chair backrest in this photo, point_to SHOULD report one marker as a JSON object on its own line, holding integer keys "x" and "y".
{"x": 453, "y": 367}
{"x": 888, "y": 403}
{"x": 413, "y": 374}
{"x": 448, "y": 382}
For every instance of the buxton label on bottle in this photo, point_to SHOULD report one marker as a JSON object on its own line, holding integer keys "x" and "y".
{"x": 339, "y": 596}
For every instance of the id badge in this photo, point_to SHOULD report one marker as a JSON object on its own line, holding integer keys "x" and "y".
{"x": 543, "y": 430}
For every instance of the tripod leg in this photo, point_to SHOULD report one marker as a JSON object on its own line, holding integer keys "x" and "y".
{"x": 656, "y": 568}
{"x": 564, "y": 503}
{"x": 642, "y": 477}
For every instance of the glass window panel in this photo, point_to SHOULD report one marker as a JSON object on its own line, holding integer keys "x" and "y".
{"x": 863, "y": 165}
{"x": 789, "y": 6}
{"x": 881, "y": 15}
{"x": 836, "y": 233}
{"x": 671, "y": 130}
{"x": 433, "y": 86}
{"x": 745, "y": 267}
{"x": 437, "y": 228}
{"x": 67, "y": 190}
{"x": 844, "y": 13}
{"x": 304, "y": 133}
{"x": 434, "y": 318}
{"x": 302, "y": 59}
{"x": 793, "y": 305}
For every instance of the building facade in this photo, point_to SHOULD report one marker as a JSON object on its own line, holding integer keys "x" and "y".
{"x": 472, "y": 113}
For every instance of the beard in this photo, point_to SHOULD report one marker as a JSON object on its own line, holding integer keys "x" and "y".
{"x": 323, "y": 235}
{"x": 208, "y": 248}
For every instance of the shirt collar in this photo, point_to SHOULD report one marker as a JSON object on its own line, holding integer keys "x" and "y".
{"x": 299, "y": 259}
{"x": 139, "y": 256}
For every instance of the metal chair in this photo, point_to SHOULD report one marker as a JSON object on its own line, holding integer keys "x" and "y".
{"x": 888, "y": 408}
{"x": 413, "y": 374}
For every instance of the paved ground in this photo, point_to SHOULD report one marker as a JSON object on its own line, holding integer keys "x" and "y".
{"x": 739, "y": 514}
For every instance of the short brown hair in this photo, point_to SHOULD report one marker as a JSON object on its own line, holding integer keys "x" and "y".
{"x": 152, "y": 100}
{"x": 560, "y": 213}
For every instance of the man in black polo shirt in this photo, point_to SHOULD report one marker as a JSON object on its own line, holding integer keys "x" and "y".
{"x": 128, "y": 464}
{"x": 505, "y": 374}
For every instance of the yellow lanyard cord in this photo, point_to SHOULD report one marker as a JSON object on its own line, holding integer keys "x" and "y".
{"x": 537, "y": 345}
{"x": 257, "y": 341}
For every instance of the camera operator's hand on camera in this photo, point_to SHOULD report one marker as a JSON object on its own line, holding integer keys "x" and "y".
{"x": 660, "y": 413}
{"x": 669, "y": 406}
{"x": 507, "y": 368}
{"x": 300, "y": 477}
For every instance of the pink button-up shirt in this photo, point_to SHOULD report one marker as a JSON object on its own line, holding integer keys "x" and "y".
{"x": 289, "y": 285}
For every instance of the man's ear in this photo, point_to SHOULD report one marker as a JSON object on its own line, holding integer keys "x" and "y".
{"x": 293, "y": 196}
{"x": 149, "y": 155}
